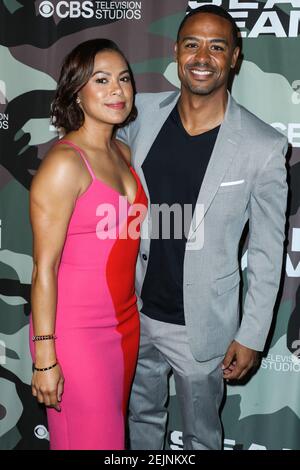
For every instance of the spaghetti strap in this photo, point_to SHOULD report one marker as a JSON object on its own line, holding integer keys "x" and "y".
{"x": 81, "y": 153}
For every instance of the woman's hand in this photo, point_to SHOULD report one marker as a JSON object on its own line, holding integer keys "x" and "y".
{"x": 48, "y": 386}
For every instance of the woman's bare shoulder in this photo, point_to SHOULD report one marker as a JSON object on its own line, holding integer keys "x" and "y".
{"x": 60, "y": 159}
{"x": 63, "y": 156}
{"x": 60, "y": 166}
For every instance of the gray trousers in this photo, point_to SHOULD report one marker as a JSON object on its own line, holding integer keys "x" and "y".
{"x": 199, "y": 386}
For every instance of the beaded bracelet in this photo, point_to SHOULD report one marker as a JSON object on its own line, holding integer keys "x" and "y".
{"x": 43, "y": 337}
{"x": 45, "y": 368}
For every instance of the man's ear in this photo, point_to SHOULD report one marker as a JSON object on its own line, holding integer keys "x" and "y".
{"x": 175, "y": 52}
{"x": 235, "y": 57}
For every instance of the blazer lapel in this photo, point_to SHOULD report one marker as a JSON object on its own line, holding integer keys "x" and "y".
{"x": 156, "y": 120}
{"x": 224, "y": 152}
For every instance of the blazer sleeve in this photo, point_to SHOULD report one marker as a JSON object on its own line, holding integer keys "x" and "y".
{"x": 267, "y": 208}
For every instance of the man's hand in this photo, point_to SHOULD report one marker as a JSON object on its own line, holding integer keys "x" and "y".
{"x": 238, "y": 361}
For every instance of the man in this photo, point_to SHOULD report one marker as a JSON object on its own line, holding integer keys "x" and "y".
{"x": 200, "y": 148}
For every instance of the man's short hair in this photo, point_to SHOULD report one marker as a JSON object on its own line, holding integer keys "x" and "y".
{"x": 214, "y": 10}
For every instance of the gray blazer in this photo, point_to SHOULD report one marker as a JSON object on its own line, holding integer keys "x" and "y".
{"x": 245, "y": 180}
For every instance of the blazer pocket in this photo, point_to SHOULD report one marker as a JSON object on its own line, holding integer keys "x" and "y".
{"x": 231, "y": 186}
{"x": 232, "y": 183}
{"x": 227, "y": 283}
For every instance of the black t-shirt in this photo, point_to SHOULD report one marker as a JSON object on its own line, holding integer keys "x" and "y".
{"x": 174, "y": 170}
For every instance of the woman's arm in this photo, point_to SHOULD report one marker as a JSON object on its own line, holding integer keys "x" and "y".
{"x": 53, "y": 194}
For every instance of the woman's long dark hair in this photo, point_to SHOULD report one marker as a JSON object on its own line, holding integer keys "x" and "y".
{"x": 76, "y": 71}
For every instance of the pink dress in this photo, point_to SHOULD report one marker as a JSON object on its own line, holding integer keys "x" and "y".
{"x": 97, "y": 321}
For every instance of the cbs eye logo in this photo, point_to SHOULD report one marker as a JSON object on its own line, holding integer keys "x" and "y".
{"x": 41, "y": 432}
{"x": 46, "y": 9}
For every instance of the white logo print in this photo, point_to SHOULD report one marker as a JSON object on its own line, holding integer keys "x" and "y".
{"x": 41, "y": 432}
{"x": 46, "y": 9}
{"x": 102, "y": 9}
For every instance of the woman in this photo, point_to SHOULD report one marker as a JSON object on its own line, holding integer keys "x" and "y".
{"x": 84, "y": 315}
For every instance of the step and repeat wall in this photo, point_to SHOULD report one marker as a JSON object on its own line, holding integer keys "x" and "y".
{"x": 263, "y": 413}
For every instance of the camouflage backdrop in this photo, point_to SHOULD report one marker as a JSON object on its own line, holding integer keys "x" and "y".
{"x": 264, "y": 413}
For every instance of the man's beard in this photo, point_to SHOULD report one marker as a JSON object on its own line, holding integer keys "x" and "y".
{"x": 200, "y": 89}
